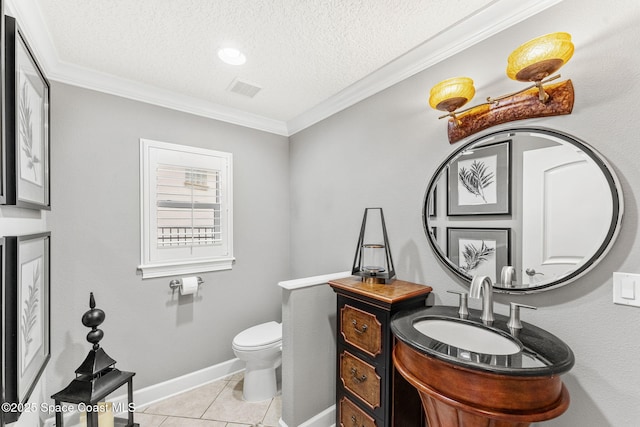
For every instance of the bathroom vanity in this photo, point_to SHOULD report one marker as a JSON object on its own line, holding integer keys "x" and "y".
{"x": 510, "y": 377}
{"x": 369, "y": 391}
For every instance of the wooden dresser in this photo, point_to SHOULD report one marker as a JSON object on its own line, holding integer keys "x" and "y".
{"x": 369, "y": 393}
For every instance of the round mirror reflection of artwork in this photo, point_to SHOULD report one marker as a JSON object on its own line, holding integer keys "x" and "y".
{"x": 531, "y": 208}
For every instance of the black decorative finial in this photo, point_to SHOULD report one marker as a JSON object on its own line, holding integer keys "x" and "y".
{"x": 92, "y": 319}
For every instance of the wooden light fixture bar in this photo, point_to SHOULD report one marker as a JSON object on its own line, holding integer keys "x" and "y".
{"x": 533, "y": 62}
{"x": 524, "y": 105}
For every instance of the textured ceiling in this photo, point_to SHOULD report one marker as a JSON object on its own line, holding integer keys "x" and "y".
{"x": 302, "y": 53}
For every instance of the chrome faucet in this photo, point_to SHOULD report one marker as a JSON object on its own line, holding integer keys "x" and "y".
{"x": 483, "y": 284}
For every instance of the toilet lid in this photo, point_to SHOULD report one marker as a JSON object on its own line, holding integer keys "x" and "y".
{"x": 259, "y": 335}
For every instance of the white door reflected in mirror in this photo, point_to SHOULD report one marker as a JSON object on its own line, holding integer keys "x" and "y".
{"x": 565, "y": 196}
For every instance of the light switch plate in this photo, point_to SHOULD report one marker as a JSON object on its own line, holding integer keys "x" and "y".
{"x": 626, "y": 289}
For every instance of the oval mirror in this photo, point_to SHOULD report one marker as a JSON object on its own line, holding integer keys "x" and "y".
{"x": 531, "y": 208}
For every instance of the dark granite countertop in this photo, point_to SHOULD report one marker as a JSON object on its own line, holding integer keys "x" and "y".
{"x": 541, "y": 354}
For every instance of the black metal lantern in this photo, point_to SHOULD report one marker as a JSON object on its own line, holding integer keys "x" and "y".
{"x": 96, "y": 377}
{"x": 373, "y": 260}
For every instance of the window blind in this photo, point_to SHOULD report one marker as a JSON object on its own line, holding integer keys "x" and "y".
{"x": 188, "y": 206}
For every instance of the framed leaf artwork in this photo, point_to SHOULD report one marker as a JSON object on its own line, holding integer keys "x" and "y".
{"x": 479, "y": 251}
{"x": 27, "y": 124}
{"x": 479, "y": 181}
{"x": 3, "y": 150}
{"x": 26, "y": 317}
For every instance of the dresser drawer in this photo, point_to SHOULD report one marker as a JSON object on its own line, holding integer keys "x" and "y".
{"x": 352, "y": 416}
{"x": 361, "y": 329}
{"x": 360, "y": 378}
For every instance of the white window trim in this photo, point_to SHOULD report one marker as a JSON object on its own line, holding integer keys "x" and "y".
{"x": 147, "y": 267}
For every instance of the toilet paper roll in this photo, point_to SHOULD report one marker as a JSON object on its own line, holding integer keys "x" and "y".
{"x": 189, "y": 285}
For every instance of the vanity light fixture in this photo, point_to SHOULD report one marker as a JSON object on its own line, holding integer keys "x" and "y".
{"x": 231, "y": 56}
{"x": 537, "y": 59}
{"x": 373, "y": 260}
{"x": 534, "y": 61}
{"x": 451, "y": 94}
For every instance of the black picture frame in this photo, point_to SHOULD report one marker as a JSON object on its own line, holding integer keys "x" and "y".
{"x": 27, "y": 317}
{"x": 432, "y": 203}
{"x": 479, "y": 251}
{"x": 2, "y": 195}
{"x": 486, "y": 186}
{"x": 3, "y": 149}
{"x": 27, "y": 124}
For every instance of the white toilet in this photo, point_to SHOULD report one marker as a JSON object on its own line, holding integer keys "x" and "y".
{"x": 260, "y": 347}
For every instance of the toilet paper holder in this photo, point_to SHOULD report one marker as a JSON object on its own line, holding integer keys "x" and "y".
{"x": 176, "y": 283}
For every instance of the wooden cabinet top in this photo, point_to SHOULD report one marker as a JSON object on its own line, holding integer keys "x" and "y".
{"x": 389, "y": 293}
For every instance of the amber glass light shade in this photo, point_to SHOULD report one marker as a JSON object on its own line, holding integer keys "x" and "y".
{"x": 451, "y": 94}
{"x": 540, "y": 57}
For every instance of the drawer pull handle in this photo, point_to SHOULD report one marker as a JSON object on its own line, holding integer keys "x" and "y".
{"x": 355, "y": 421}
{"x": 355, "y": 327}
{"x": 356, "y": 378}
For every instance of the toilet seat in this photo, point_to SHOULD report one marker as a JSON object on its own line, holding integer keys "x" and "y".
{"x": 259, "y": 337}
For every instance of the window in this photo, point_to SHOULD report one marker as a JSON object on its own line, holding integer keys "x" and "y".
{"x": 187, "y": 206}
{"x": 186, "y": 209}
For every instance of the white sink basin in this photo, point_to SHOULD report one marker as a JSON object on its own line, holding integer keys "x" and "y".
{"x": 466, "y": 336}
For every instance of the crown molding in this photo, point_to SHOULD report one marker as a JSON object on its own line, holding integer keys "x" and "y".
{"x": 493, "y": 19}
{"x": 498, "y": 16}
{"x": 91, "y": 79}
{"x": 31, "y": 22}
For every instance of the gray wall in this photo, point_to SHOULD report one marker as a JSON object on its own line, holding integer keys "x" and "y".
{"x": 308, "y": 347}
{"x": 94, "y": 221}
{"x": 382, "y": 152}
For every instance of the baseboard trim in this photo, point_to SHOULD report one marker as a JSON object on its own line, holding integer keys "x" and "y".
{"x": 149, "y": 395}
{"x": 152, "y": 394}
{"x": 325, "y": 418}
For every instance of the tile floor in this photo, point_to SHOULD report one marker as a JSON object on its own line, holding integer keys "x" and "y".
{"x": 217, "y": 404}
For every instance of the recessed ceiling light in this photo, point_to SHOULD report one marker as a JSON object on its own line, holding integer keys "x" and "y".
{"x": 231, "y": 56}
